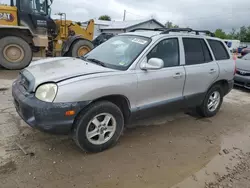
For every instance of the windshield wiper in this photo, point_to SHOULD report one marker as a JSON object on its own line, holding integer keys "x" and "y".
{"x": 96, "y": 61}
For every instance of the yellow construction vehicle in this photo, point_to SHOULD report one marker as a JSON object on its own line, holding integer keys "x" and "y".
{"x": 27, "y": 31}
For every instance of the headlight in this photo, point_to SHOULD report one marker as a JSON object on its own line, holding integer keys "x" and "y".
{"x": 46, "y": 92}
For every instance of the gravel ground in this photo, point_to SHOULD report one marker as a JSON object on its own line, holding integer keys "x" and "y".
{"x": 238, "y": 176}
{"x": 177, "y": 150}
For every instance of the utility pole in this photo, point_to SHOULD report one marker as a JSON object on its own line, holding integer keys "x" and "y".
{"x": 124, "y": 15}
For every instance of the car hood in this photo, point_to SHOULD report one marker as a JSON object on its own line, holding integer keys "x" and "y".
{"x": 243, "y": 64}
{"x": 58, "y": 69}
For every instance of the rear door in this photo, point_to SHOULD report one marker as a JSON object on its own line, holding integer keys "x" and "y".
{"x": 224, "y": 60}
{"x": 201, "y": 69}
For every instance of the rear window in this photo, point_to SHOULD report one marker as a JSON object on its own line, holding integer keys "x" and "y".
{"x": 218, "y": 49}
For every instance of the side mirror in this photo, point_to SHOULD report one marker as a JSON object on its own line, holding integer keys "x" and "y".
{"x": 152, "y": 64}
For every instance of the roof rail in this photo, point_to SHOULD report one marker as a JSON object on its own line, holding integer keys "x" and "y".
{"x": 148, "y": 29}
{"x": 168, "y": 30}
{"x": 204, "y": 31}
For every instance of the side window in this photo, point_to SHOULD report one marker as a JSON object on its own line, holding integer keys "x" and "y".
{"x": 194, "y": 51}
{"x": 168, "y": 51}
{"x": 26, "y": 6}
{"x": 207, "y": 54}
{"x": 219, "y": 50}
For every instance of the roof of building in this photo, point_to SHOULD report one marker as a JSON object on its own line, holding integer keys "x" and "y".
{"x": 102, "y": 22}
{"x": 99, "y": 22}
{"x": 128, "y": 24}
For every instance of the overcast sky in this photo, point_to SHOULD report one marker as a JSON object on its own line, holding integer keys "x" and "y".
{"x": 200, "y": 14}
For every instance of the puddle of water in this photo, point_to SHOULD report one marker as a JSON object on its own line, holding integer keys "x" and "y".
{"x": 236, "y": 145}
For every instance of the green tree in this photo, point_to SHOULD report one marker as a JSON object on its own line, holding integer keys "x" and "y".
{"x": 232, "y": 34}
{"x": 79, "y": 23}
{"x": 105, "y": 17}
{"x": 220, "y": 34}
{"x": 169, "y": 24}
{"x": 243, "y": 34}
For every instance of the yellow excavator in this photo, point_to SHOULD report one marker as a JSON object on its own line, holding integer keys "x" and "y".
{"x": 27, "y": 30}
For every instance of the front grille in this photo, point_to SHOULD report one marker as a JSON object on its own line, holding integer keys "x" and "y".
{"x": 243, "y": 73}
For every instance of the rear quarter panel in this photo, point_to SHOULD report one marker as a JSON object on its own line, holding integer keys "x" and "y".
{"x": 227, "y": 68}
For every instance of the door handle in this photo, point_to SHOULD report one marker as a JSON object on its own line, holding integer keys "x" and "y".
{"x": 212, "y": 71}
{"x": 177, "y": 75}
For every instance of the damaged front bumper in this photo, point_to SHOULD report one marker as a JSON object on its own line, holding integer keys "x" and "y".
{"x": 45, "y": 116}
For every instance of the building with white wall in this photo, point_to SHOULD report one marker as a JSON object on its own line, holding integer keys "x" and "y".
{"x": 117, "y": 27}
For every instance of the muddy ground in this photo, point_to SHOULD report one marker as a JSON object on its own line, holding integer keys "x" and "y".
{"x": 176, "y": 150}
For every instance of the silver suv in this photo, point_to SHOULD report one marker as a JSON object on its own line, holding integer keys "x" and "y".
{"x": 130, "y": 76}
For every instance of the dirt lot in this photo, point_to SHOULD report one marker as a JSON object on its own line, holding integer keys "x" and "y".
{"x": 166, "y": 151}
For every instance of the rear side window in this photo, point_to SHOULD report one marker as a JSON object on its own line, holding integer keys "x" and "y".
{"x": 196, "y": 51}
{"x": 219, "y": 50}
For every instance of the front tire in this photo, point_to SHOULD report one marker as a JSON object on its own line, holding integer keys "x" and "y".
{"x": 212, "y": 102}
{"x": 98, "y": 127}
{"x": 15, "y": 53}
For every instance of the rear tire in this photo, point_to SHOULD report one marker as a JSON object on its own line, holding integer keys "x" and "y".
{"x": 15, "y": 53}
{"x": 212, "y": 102}
{"x": 81, "y": 47}
{"x": 92, "y": 133}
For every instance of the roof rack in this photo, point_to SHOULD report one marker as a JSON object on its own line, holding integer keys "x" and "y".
{"x": 168, "y": 30}
{"x": 204, "y": 31}
{"x": 148, "y": 29}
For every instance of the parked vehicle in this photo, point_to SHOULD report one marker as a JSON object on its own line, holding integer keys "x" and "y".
{"x": 242, "y": 77}
{"x": 103, "y": 37}
{"x": 233, "y": 45}
{"x": 245, "y": 51}
{"x": 239, "y": 50}
{"x": 95, "y": 96}
{"x": 246, "y": 57}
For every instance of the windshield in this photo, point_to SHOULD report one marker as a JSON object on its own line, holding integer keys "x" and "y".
{"x": 34, "y": 6}
{"x": 118, "y": 52}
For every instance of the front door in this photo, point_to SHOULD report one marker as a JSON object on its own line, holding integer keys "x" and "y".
{"x": 161, "y": 88}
